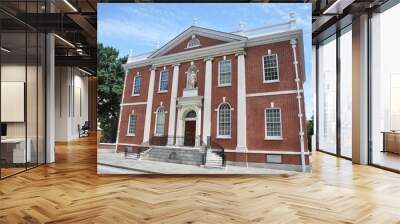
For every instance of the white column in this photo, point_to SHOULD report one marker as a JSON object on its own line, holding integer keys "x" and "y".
{"x": 360, "y": 90}
{"x": 121, "y": 107}
{"x": 293, "y": 42}
{"x": 207, "y": 100}
{"x": 241, "y": 103}
{"x": 179, "y": 131}
{"x": 172, "y": 107}
{"x": 198, "y": 127}
{"x": 50, "y": 117}
{"x": 149, "y": 106}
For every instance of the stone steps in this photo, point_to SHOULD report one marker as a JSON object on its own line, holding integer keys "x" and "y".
{"x": 175, "y": 155}
{"x": 213, "y": 160}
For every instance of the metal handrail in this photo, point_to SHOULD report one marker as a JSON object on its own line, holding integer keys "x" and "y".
{"x": 220, "y": 152}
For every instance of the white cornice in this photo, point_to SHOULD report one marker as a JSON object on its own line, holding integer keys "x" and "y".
{"x": 285, "y": 92}
{"x": 218, "y": 50}
{"x": 194, "y": 30}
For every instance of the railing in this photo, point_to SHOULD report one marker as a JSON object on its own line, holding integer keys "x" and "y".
{"x": 220, "y": 150}
{"x": 135, "y": 150}
{"x": 175, "y": 140}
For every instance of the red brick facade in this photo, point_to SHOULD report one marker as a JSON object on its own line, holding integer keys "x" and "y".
{"x": 284, "y": 97}
{"x": 205, "y": 42}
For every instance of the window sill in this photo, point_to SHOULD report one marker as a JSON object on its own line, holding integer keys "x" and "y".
{"x": 224, "y": 85}
{"x": 163, "y": 91}
{"x": 271, "y": 81}
{"x": 192, "y": 47}
{"x": 273, "y": 138}
{"x": 130, "y": 135}
{"x": 135, "y": 95}
{"x": 224, "y": 137}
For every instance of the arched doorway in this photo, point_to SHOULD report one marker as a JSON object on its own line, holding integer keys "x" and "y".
{"x": 190, "y": 129}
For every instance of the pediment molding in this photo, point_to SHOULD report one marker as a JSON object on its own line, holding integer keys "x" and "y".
{"x": 197, "y": 31}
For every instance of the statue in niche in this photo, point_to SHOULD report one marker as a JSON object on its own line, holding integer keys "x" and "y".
{"x": 192, "y": 77}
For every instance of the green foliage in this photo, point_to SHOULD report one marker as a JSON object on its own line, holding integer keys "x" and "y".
{"x": 310, "y": 126}
{"x": 110, "y": 82}
{"x": 310, "y": 132}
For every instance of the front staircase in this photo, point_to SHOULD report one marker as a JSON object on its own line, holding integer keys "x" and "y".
{"x": 213, "y": 160}
{"x": 212, "y": 156}
{"x": 179, "y": 155}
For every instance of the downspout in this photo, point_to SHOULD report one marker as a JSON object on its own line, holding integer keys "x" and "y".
{"x": 293, "y": 42}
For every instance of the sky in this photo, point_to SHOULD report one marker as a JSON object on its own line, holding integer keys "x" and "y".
{"x": 141, "y": 27}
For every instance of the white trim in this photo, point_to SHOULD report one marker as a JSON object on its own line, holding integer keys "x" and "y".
{"x": 230, "y": 121}
{"x": 277, "y": 68}
{"x": 241, "y": 103}
{"x": 198, "y": 44}
{"x": 224, "y": 137}
{"x": 120, "y": 110}
{"x": 219, "y": 73}
{"x": 285, "y": 92}
{"x": 134, "y": 87}
{"x": 159, "y": 81}
{"x": 207, "y": 99}
{"x": 215, "y": 50}
{"x": 155, "y": 121}
{"x": 149, "y": 104}
{"x": 266, "y": 137}
{"x": 172, "y": 105}
{"x": 293, "y": 152}
{"x": 129, "y": 123}
{"x": 273, "y": 138}
{"x": 133, "y": 104}
{"x": 194, "y": 30}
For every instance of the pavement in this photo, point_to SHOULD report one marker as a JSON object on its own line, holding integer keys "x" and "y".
{"x": 110, "y": 162}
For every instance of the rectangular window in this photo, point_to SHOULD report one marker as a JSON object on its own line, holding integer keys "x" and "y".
{"x": 163, "y": 81}
{"x": 137, "y": 84}
{"x": 273, "y": 126}
{"x": 132, "y": 124}
{"x": 224, "y": 74}
{"x": 270, "y": 64}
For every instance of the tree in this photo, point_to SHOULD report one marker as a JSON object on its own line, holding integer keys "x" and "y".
{"x": 310, "y": 132}
{"x": 110, "y": 82}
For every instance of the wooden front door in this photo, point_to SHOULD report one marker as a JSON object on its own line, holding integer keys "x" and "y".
{"x": 190, "y": 133}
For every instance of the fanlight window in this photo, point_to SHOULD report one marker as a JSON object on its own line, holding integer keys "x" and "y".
{"x": 191, "y": 114}
{"x": 194, "y": 42}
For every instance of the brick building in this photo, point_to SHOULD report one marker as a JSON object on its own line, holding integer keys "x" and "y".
{"x": 240, "y": 93}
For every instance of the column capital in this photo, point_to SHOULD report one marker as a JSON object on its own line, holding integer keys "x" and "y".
{"x": 293, "y": 41}
{"x": 176, "y": 65}
{"x": 208, "y": 59}
{"x": 153, "y": 67}
{"x": 240, "y": 52}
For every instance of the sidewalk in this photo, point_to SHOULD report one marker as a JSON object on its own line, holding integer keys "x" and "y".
{"x": 109, "y": 161}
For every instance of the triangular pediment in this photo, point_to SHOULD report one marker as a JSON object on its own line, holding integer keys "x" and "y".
{"x": 207, "y": 38}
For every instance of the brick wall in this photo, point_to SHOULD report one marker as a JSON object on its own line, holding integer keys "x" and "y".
{"x": 204, "y": 42}
{"x": 255, "y": 105}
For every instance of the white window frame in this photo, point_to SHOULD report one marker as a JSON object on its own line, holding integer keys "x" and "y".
{"x": 277, "y": 68}
{"x": 159, "y": 81}
{"x": 197, "y": 45}
{"x": 155, "y": 122}
{"x": 219, "y": 73}
{"x": 134, "y": 85}
{"x": 129, "y": 123}
{"x": 230, "y": 121}
{"x": 266, "y": 137}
